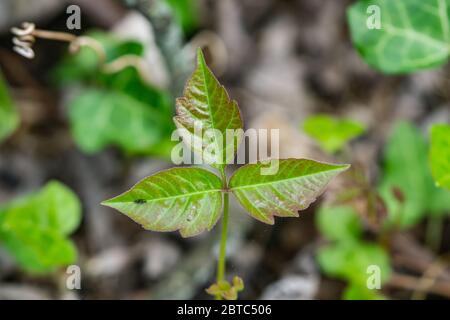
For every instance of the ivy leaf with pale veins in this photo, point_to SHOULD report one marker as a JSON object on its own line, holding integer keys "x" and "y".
{"x": 440, "y": 154}
{"x": 206, "y": 103}
{"x": 349, "y": 260}
{"x": 414, "y": 34}
{"x": 185, "y": 199}
{"x": 294, "y": 187}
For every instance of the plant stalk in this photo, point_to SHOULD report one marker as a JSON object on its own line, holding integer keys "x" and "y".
{"x": 223, "y": 238}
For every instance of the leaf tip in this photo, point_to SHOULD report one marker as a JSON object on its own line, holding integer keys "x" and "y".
{"x": 106, "y": 203}
{"x": 199, "y": 52}
{"x": 200, "y": 58}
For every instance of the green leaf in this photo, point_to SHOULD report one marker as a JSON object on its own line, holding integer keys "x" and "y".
{"x": 339, "y": 223}
{"x": 349, "y": 260}
{"x": 9, "y": 118}
{"x": 100, "y": 118}
{"x": 54, "y": 207}
{"x": 414, "y": 34}
{"x": 35, "y": 229}
{"x": 332, "y": 134}
{"x": 116, "y": 109}
{"x": 85, "y": 64}
{"x": 440, "y": 154}
{"x": 185, "y": 199}
{"x": 128, "y": 81}
{"x": 406, "y": 168}
{"x": 361, "y": 292}
{"x": 294, "y": 187}
{"x": 76, "y": 67}
{"x": 186, "y": 13}
{"x": 206, "y": 105}
{"x": 37, "y": 250}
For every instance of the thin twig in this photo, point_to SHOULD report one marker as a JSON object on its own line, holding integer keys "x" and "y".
{"x": 402, "y": 281}
{"x": 429, "y": 278}
{"x": 25, "y": 37}
{"x": 52, "y": 35}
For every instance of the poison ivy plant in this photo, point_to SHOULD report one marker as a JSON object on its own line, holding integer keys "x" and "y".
{"x": 35, "y": 229}
{"x": 332, "y": 134}
{"x": 115, "y": 107}
{"x": 406, "y": 168}
{"x": 440, "y": 154}
{"x": 192, "y": 199}
{"x": 9, "y": 118}
{"x": 348, "y": 257}
{"x": 413, "y": 34}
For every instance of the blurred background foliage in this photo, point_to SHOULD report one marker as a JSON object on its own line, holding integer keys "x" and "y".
{"x": 77, "y": 128}
{"x": 115, "y": 107}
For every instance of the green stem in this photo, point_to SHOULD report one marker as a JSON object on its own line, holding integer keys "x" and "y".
{"x": 223, "y": 239}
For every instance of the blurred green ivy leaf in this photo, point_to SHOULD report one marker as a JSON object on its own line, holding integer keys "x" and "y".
{"x": 338, "y": 223}
{"x": 35, "y": 229}
{"x": 85, "y": 64}
{"x": 186, "y": 12}
{"x": 101, "y": 118}
{"x": 440, "y": 154}
{"x": 349, "y": 260}
{"x": 403, "y": 42}
{"x": 332, "y": 134}
{"x": 9, "y": 118}
{"x": 116, "y": 108}
{"x": 406, "y": 169}
{"x": 348, "y": 257}
{"x": 357, "y": 292}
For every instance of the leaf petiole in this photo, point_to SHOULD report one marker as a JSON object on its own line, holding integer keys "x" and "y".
{"x": 223, "y": 237}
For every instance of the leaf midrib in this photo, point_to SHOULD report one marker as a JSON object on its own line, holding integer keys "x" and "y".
{"x": 208, "y": 101}
{"x": 249, "y": 186}
{"x": 164, "y": 198}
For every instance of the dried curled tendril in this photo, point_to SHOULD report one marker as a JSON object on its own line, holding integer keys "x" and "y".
{"x": 24, "y": 40}
{"x": 25, "y": 37}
